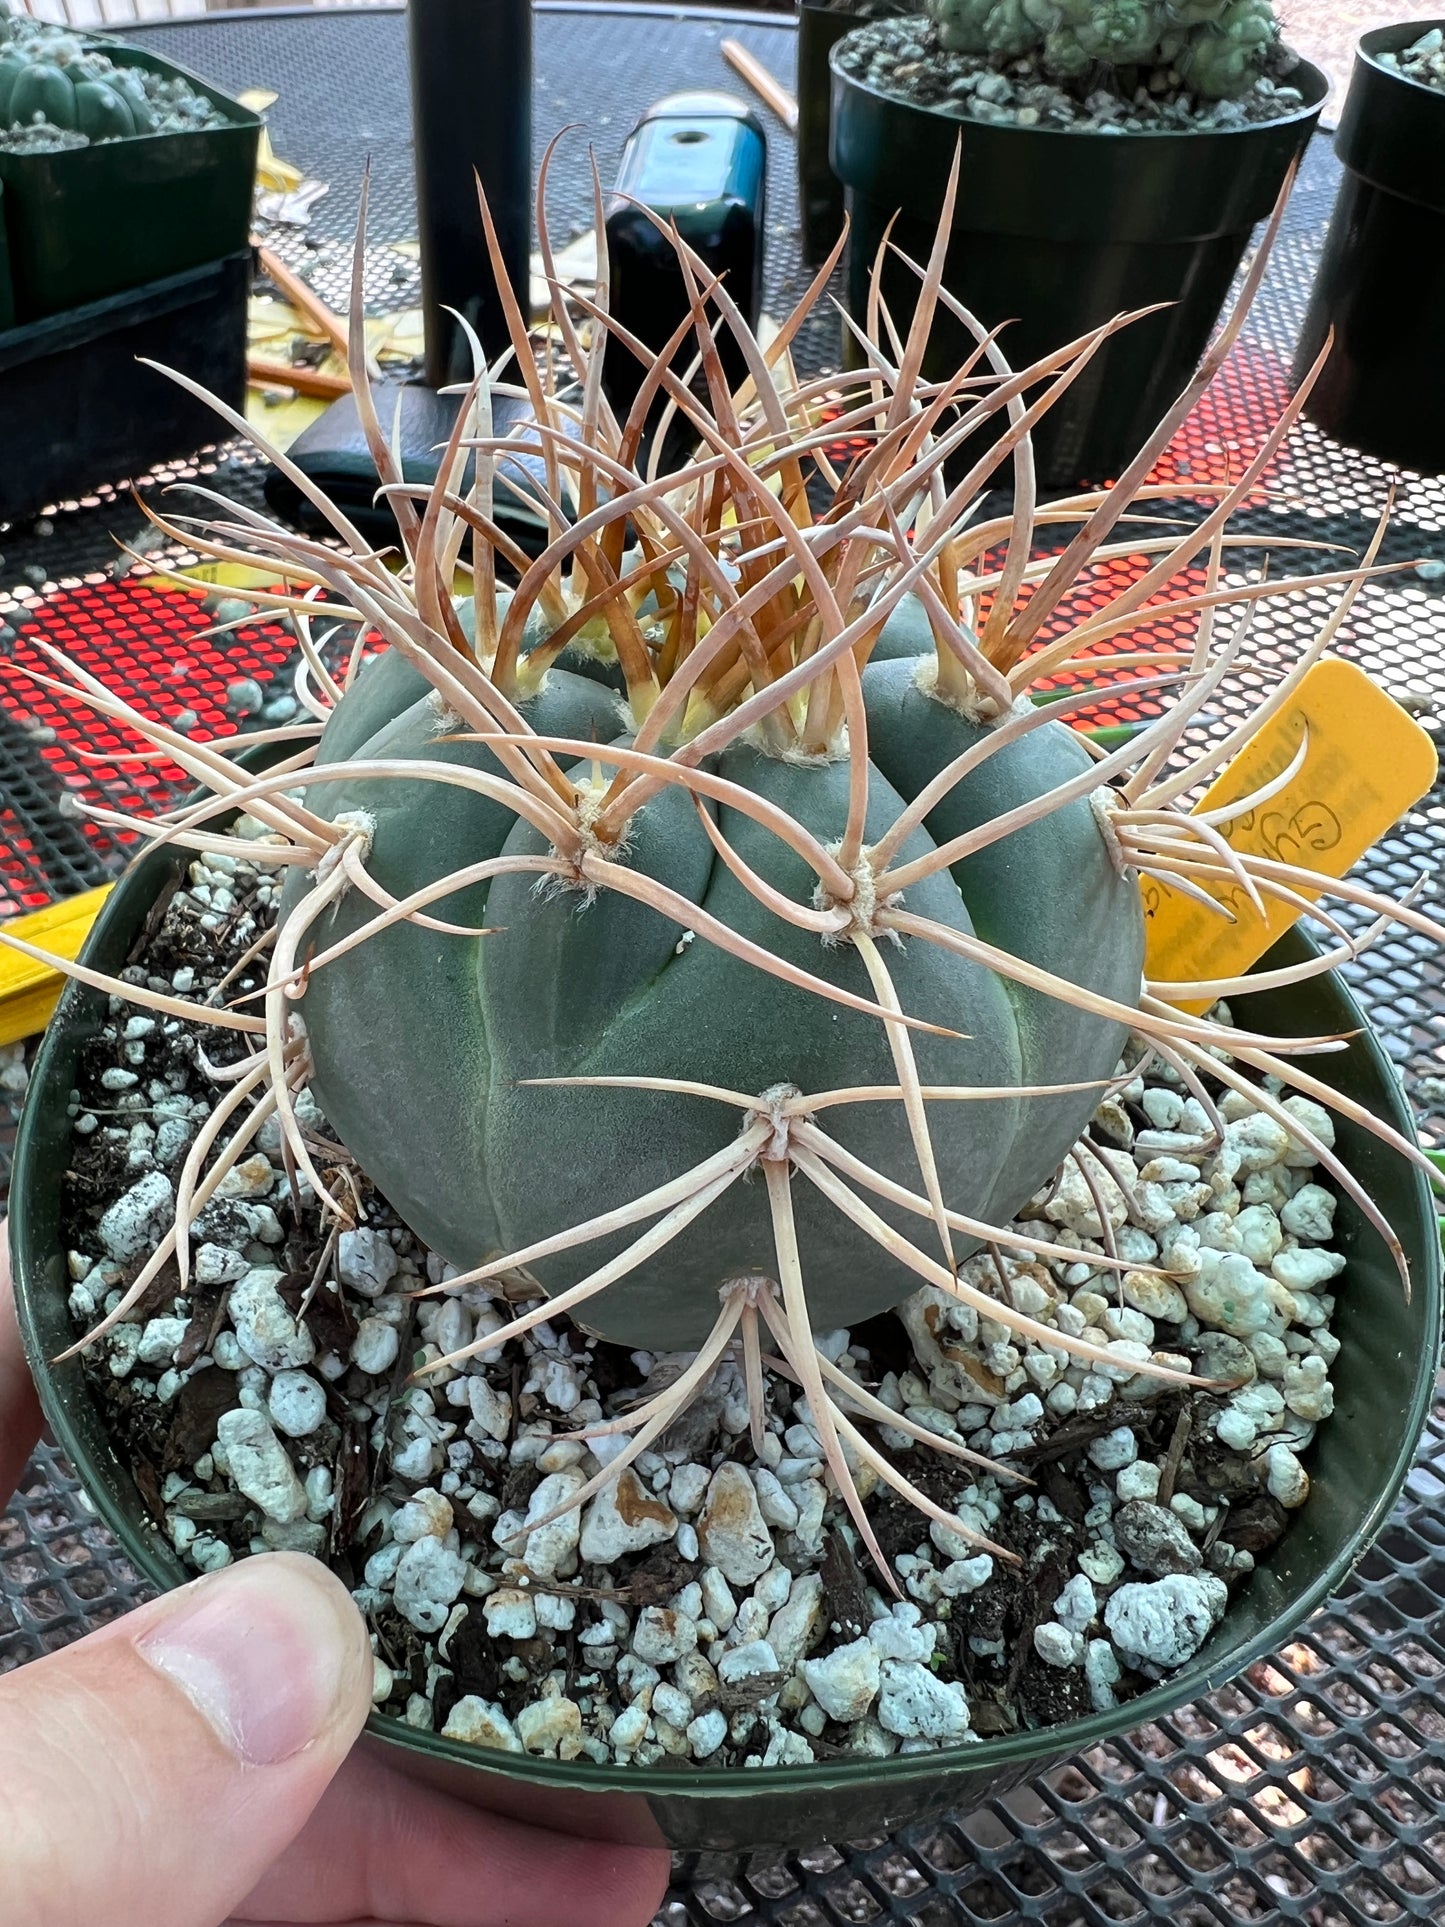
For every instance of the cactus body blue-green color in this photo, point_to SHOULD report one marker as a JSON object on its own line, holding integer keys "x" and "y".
{"x": 473, "y": 1157}
{"x": 1219, "y": 47}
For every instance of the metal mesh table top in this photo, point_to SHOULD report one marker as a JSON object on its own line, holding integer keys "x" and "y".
{"x": 1313, "y": 1789}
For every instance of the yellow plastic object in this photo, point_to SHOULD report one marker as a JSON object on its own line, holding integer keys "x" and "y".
{"x": 29, "y": 989}
{"x": 1365, "y": 763}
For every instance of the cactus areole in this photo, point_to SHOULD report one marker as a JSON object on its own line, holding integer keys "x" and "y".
{"x": 424, "y": 1043}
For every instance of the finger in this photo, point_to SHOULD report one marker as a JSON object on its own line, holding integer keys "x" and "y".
{"x": 19, "y": 1407}
{"x": 383, "y": 1848}
{"x": 149, "y": 1774}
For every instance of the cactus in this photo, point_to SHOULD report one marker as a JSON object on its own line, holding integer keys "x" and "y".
{"x": 1219, "y": 47}
{"x": 709, "y": 924}
{"x": 61, "y": 82}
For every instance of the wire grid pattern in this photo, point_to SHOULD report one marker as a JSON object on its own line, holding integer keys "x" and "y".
{"x": 1311, "y": 1790}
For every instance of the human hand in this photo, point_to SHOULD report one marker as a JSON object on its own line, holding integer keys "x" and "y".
{"x": 188, "y": 1765}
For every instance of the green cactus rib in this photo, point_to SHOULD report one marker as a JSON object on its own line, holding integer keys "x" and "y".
{"x": 1219, "y": 47}
{"x": 441, "y": 1117}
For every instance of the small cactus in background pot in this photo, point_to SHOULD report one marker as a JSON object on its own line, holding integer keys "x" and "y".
{"x": 709, "y": 924}
{"x": 1218, "y": 47}
{"x": 59, "y": 83}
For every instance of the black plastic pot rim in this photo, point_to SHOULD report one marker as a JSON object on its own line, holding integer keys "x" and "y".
{"x": 1063, "y": 138}
{"x": 1393, "y": 40}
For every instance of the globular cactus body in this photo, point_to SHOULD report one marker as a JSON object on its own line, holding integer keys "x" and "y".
{"x": 1219, "y": 47}
{"x": 421, "y": 1042}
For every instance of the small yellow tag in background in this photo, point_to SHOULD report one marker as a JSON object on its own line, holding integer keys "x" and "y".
{"x": 29, "y": 989}
{"x": 1366, "y": 763}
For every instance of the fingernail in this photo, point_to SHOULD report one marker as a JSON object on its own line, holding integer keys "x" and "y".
{"x": 263, "y": 1651}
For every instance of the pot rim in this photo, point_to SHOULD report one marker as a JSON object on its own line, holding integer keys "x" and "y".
{"x": 142, "y": 1542}
{"x": 1308, "y": 110}
{"x": 1394, "y": 39}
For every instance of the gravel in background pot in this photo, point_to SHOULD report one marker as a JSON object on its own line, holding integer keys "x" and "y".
{"x": 1381, "y": 279}
{"x": 1059, "y": 227}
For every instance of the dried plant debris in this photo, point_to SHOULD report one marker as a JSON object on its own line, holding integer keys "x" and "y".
{"x": 714, "y": 1605}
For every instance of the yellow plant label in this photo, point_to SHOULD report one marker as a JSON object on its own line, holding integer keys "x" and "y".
{"x": 29, "y": 989}
{"x": 1365, "y": 762}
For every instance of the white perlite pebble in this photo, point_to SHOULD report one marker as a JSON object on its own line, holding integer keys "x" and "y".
{"x": 706, "y": 1733}
{"x": 717, "y": 1599}
{"x": 916, "y": 1706}
{"x": 297, "y": 1404}
{"x": 429, "y": 1576}
{"x": 365, "y": 1261}
{"x": 137, "y": 1222}
{"x": 510, "y": 1613}
{"x": 1056, "y": 1645}
{"x": 624, "y": 1517}
{"x": 551, "y": 1728}
{"x": 491, "y": 1409}
{"x": 482, "y": 1724}
{"x": 219, "y": 1265}
{"x": 265, "y": 1328}
{"x": 375, "y": 1346}
{"x": 900, "y": 1636}
{"x": 1102, "y": 1673}
{"x": 663, "y": 1635}
{"x": 1165, "y": 1623}
{"x": 845, "y": 1682}
{"x": 685, "y": 1493}
{"x": 552, "y": 1548}
{"x": 1077, "y": 1604}
{"x": 1285, "y": 1478}
{"x": 1115, "y": 1450}
{"x": 159, "y": 1341}
{"x": 1314, "y": 1119}
{"x": 1310, "y": 1214}
{"x": 1140, "y": 1480}
{"x": 671, "y": 1704}
{"x": 798, "y": 1623}
{"x": 731, "y": 1530}
{"x": 752, "y": 1666}
{"x": 629, "y": 1729}
{"x": 426, "y": 1515}
{"x": 965, "y": 1575}
{"x": 260, "y": 1466}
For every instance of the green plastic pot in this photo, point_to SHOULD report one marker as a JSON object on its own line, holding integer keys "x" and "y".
{"x": 1056, "y": 232}
{"x": 1383, "y": 1380}
{"x": 1380, "y": 289}
{"x": 94, "y": 221}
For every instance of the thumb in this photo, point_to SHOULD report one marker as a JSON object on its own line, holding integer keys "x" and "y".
{"x": 150, "y": 1774}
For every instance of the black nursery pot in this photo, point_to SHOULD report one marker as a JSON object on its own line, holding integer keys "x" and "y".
{"x": 1381, "y": 279}
{"x": 1055, "y": 232}
{"x": 820, "y": 192}
{"x": 1384, "y": 1380}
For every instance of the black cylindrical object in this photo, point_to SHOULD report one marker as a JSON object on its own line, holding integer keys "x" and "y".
{"x": 471, "y": 108}
{"x": 820, "y": 192}
{"x": 1381, "y": 279}
{"x": 1055, "y": 232}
